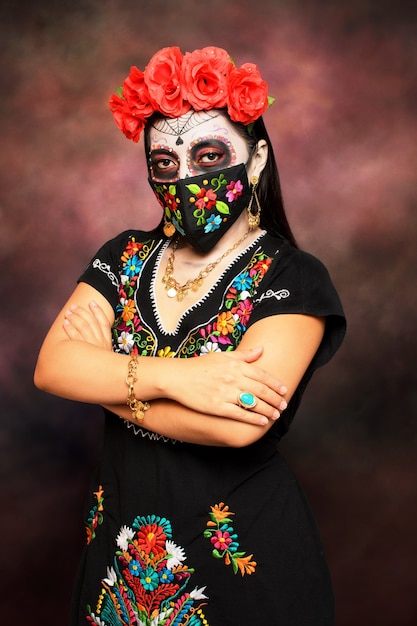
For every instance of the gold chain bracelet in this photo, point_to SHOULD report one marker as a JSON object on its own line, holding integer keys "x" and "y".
{"x": 137, "y": 407}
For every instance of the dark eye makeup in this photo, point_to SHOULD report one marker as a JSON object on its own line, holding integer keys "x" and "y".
{"x": 164, "y": 165}
{"x": 204, "y": 155}
{"x": 209, "y": 154}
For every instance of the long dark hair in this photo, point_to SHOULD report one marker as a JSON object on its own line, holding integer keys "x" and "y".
{"x": 273, "y": 216}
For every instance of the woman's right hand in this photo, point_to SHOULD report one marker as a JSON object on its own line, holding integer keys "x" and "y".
{"x": 212, "y": 383}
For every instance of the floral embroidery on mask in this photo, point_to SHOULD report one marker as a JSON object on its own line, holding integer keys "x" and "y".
{"x": 147, "y": 583}
{"x": 166, "y": 196}
{"x": 96, "y": 515}
{"x": 202, "y": 208}
{"x": 225, "y": 541}
{"x": 204, "y": 198}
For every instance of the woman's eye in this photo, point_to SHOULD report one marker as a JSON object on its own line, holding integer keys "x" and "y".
{"x": 163, "y": 167}
{"x": 209, "y": 158}
{"x": 164, "y": 164}
{"x": 211, "y": 154}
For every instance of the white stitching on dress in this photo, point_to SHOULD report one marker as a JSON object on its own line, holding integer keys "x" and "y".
{"x": 105, "y": 268}
{"x": 270, "y": 293}
{"x": 158, "y": 320}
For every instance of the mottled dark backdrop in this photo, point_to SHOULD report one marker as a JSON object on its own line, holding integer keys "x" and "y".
{"x": 344, "y": 126}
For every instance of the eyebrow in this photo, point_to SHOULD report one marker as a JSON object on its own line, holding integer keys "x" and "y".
{"x": 168, "y": 152}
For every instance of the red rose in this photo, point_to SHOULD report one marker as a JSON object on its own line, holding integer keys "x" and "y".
{"x": 135, "y": 92}
{"x": 163, "y": 80}
{"x": 205, "y": 77}
{"x": 247, "y": 94}
{"x": 128, "y": 123}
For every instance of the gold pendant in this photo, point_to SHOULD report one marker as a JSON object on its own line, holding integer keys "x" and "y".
{"x": 169, "y": 229}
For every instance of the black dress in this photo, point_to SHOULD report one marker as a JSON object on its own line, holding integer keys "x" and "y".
{"x": 183, "y": 534}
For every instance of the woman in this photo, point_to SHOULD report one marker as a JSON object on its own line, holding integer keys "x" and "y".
{"x": 194, "y": 517}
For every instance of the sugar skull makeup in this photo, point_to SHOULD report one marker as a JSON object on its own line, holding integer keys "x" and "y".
{"x": 204, "y": 154}
{"x": 197, "y": 171}
{"x": 197, "y": 142}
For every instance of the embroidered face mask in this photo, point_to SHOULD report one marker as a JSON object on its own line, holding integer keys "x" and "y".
{"x": 202, "y": 208}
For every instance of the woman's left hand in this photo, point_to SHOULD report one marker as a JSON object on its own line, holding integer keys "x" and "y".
{"x": 90, "y": 325}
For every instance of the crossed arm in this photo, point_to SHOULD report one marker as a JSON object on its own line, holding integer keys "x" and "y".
{"x": 194, "y": 400}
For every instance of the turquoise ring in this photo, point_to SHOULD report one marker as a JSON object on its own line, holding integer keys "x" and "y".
{"x": 247, "y": 400}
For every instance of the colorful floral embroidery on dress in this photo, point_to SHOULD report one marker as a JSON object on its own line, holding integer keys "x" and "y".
{"x": 146, "y": 586}
{"x": 221, "y": 333}
{"x": 225, "y": 540}
{"x": 129, "y": 336}
{"x": 96, "y": 515}
{"x": 166, "y": 353}
{"x": 227, "y": 330}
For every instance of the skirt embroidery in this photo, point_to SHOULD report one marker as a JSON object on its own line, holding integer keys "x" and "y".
{"x": 147, "y": 583}
{"x": 226, "y": 542}
{"x": 96, "y": 515}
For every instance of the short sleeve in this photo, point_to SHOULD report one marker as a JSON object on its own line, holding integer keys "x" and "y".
{"x": 102, "y": 272}
{"x": 298, "y": 282}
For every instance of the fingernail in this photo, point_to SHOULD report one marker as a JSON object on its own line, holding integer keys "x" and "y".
{"x": 263, "y": 421}
{"x": 68, "y": 312}
{"x": 283, "y": 405}
{"x": 283, "y": 389}
{"x": 73, "y": 307}
{"x": 275, "y": 415}
{"x": 93, "y": 303}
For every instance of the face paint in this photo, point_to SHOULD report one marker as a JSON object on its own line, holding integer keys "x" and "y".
{"x": 197, "y": 181}
{"x": 202, "y": 208}
{"x": 204, "y": 154}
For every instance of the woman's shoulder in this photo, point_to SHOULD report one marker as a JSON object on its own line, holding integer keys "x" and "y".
{"x": 290, "y": 257}
{"x": 302, "y": 275}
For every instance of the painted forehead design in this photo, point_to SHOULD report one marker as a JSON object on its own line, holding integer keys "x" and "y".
{"x": 218, "y": 132}
{"x": 179, "y": 125}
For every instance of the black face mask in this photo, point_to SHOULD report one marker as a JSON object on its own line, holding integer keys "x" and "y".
{"x": 204, "y": 207}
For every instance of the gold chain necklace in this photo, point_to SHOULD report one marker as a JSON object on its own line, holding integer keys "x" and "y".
{"x": 174, "y": 289}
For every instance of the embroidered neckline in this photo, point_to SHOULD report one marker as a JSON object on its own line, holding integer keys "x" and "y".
{"x": 204, "y": 297}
